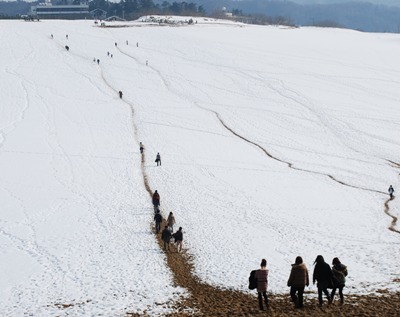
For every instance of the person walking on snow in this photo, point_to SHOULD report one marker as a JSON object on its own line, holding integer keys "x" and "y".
{"x": 158, "y": 220}
{"x": 171, "y": 221}
{"x": 391, "y": 191}
{"x": 166, "y": 237}
{"x": 141, "y": 147}
{"x": 178, "y": 236}
{"x": 120, "y": 94}
{"x": 158, "y": 159}
{"x": 298, "y": 280}
{"x": 156, "y": 200}
{"x": 323, "y": 275}
{"x": 262, "y": 284}
{"x": 339, "y": 272}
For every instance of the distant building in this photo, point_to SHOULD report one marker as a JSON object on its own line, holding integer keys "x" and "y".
{"x": 62, "y": 9}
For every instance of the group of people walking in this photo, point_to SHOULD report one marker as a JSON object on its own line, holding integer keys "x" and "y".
{"x": 141, "y": 148}
{"x": 167, "y": 233}
{"x": 326, "y": 277}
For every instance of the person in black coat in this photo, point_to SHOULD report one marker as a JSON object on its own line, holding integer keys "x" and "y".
{"x": 391, "y": 191}
{"x": 178, "y": 236}
{"x": 323, "y": 275}
{"x": 166, "y": 237}
{"x": 158, "y": 159}
{"x": 158, "y": 220}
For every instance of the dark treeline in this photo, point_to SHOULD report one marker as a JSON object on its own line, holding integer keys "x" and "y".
{"x": 12, "y": 9}
{"x": 133, "y": 9}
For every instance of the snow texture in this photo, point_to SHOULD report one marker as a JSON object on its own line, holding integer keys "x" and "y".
{"x": 275, "y": 142}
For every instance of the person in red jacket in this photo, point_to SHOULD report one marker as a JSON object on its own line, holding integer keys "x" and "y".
{"x": 262, "y": 284}
{"x": 298, "y": 280}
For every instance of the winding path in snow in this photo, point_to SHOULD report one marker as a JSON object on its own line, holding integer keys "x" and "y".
{"x": 205, "y": 299}
{"x": 289, "y": 164}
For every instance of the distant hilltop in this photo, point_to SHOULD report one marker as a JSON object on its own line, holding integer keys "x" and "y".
{"x": 367, "y": 16}
{"x": 372, "y": 16}
{"x": 394, "y": 3}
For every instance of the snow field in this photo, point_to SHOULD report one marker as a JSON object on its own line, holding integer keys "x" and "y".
{"x": 75, "y": 225}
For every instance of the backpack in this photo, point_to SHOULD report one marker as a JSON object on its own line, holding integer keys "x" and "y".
{"x": 253, "y": 280}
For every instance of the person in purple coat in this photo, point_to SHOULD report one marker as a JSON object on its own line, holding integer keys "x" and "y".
{"x": 262, "y": 284}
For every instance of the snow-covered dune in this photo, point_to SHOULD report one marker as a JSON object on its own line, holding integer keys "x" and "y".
{"x": 275, "y": 142}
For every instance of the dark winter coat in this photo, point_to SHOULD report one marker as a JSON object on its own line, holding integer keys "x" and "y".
{"x": 339, "y": 272}
{"x": 158, "y": 218}
{"x": 166, "y": 235}
{"x": 262, "y": 280}
{"x": 298, "y": 276}
{"x": 323, "y": 275}
{"x": 156, "y": 199}
{"x": 178, "y": 236}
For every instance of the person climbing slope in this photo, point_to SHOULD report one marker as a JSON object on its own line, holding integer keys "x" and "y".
{"x": 156, "y": 200}
{"x": 166, "y": 237}
{"x": 158, "y": 219}
{"x": 391, "y": 191}
{"x": 178, "y": 236}
{"x": 158, "y": 159}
